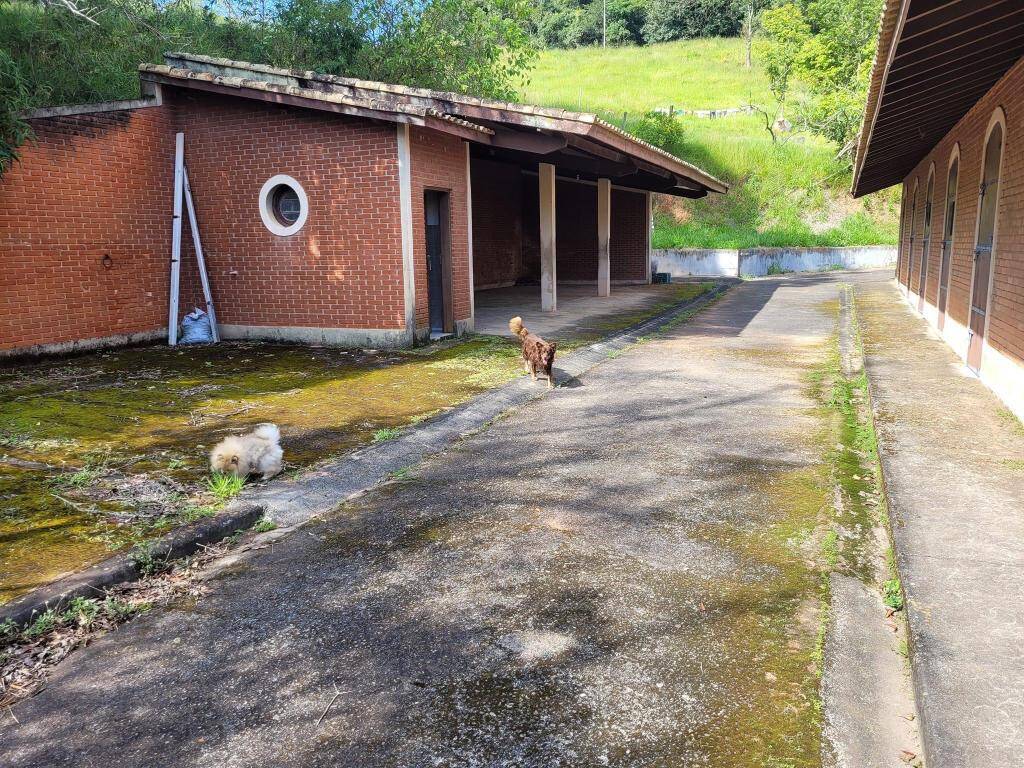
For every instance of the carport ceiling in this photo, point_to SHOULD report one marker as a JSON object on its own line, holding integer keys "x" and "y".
{"x": 572, "y": 162}
{"x": 935, "y": 60}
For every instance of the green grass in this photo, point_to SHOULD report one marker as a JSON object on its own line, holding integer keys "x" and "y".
{"x": 892, "y": 595}
{"x": 794, "y": 193}
{"x": 264, "y": 524}
{"x": 686, "y": 74}
{"x": 224, "y": 486}
{"x": 386, "y": 433}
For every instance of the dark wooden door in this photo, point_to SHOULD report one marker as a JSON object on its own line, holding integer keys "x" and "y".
{"x": 435, "y": 217}
{"x": 926, "y": 241}
{"x": 910, "y": 245}
{"x": 983, "y": 247}
{"x": 947, "y": 240}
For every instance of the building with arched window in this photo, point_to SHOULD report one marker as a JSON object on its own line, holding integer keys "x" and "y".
{"x": 945, "y": 119}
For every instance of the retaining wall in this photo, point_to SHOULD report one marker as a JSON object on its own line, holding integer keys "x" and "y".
{"x": 757, "y": 262}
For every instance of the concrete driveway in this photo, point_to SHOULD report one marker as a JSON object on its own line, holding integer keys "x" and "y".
{"x": 623, "y": 573}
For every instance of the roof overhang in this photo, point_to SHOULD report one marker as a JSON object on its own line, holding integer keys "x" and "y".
{"x": 935, "y": 60}
{"x": 575, "y": 142}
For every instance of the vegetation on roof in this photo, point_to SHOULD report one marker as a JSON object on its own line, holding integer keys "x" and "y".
{"x": 49, "y": 55}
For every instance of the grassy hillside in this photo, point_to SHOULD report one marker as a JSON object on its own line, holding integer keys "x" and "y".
{"x": 791, "y": 193}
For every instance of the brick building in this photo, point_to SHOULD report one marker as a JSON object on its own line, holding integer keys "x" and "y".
{"x": 945, "y": 117}
{"x": 330, "y": 210}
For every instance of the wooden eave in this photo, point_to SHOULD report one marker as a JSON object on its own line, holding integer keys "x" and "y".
{"x": 935, "y": 60}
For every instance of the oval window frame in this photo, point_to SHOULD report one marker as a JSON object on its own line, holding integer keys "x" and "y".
{"x": 270, "y": 220}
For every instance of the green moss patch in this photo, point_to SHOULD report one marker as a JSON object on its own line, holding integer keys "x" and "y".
{"x": 103, "y": 450}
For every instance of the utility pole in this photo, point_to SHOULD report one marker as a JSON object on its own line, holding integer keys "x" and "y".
{"x": 604, "y": 24}
{"x": 750, "y": 29}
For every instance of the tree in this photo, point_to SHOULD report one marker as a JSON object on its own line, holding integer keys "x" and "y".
{"x": 50, "y": 55}
{"x": 683, "y": 19}
{"x": 836, "y": 64}
{"x": 828, "y": 46}
{"x": 786, "y": 32}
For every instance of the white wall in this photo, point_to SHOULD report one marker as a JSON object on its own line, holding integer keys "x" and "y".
{"x": 757, "y": 262}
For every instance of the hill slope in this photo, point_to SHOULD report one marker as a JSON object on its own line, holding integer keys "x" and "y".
{"x": 791, "y": 193}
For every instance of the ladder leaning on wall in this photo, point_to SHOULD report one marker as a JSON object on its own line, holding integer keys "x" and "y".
{"x": 182, "y": 191}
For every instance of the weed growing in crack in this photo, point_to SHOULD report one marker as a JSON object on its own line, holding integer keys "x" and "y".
{"x": 386, "y": 433}
{"x": 264, "y": 524}
{"x": 400, "y": 474}
{"x": 147, "y": 562}
{"x": 192, "y": 512}
{"x": 224, "y": 486}
{"x": 892, "y": 594}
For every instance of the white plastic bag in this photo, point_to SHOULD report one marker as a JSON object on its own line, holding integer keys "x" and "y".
{"x": 195, "y": 328}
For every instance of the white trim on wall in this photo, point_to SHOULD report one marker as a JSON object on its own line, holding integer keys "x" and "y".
{"x": 469, "y": 237}
{"x": 270, "y": 220}
{"x": 405, "y": 209}
{"x": 998, "y": 118}
{"x": 954, "y": 156}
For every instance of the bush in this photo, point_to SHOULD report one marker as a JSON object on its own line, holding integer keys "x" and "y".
{"x": 659, "y": 129}
{"x": 675, "y": 20}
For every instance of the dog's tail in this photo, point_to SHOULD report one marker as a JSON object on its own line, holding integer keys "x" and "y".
{"x": 516, "y": 326}
{"x": 268, "y": 432}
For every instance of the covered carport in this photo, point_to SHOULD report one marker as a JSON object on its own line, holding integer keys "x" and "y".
{"x": 564, "y": 198}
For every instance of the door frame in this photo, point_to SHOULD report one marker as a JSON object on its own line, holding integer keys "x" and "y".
{"x": 445, "y": 215}
{"x": 910, "y": 243}
{"x": 927, "y": 225}
{"x": 946, "y": 274}
{"x": 998, "y": 118}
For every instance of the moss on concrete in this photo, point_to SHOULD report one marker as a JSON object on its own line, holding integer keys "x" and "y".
{"x": 157, "y": 411}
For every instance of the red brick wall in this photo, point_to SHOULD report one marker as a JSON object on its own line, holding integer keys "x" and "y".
{"x": 439, "y": 162}
{"x": 628, "y": 247}
{"x": 1006, "y": 302}
{"x": 497, "y": 224}
{"x": 343, "y": 269}
{"x": 576, "y": 232}
{"x": 88, "y": 185}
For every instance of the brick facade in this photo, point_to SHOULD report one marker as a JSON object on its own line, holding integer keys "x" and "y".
{"x": 1005, "y": 334}
{"x": 88, "y": 186}
{"x": 343, "y": 269}
{"x": 100, "y": 185}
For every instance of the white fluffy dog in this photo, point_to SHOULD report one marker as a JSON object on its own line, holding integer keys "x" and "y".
{"x": 255, "y": 453}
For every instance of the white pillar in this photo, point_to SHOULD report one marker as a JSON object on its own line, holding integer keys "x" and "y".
{"x": 548, "y": 276}
{"x": 469, "y": 239}
{"x": 405, "y": 213}
{"x": 650, "y": 232}
{"x": 604, "y": 231}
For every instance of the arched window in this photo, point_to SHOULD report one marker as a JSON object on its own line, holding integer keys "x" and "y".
{"x": 948, "y": 223}
{"x": 926, "y": 238}
{"x": 985, "y": 241}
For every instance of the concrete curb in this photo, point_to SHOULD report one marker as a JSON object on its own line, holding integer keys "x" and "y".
{"x": 293, "y": 502}
{"x": 849, "y": 304}
{"x": 121, "y": 567}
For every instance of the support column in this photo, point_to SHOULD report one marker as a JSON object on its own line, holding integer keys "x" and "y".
{"x": 548, "y": 276}
{"x": 469, "y": 239}
{"x": 650, "y": 232}
{"x": 405, "y": 213}
{"x": 604, "y": 232}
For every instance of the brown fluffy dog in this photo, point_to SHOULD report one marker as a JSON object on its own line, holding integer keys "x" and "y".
{"x": 538, "y": 355}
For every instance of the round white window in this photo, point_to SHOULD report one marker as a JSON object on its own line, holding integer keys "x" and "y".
{"x": 283, "y": 205}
